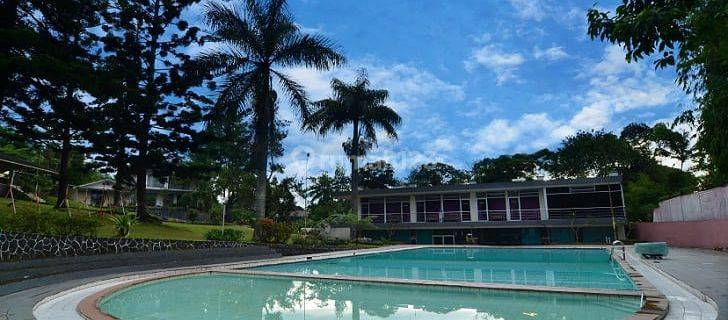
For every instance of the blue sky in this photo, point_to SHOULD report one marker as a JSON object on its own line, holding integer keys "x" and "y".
{"x": 476, "y": 78}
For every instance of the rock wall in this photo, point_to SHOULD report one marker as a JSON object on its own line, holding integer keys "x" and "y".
{"x": 18, "y": 246}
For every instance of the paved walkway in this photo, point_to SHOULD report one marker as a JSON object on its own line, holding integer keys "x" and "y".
{"x": 702, "y": 269}
{"x": 684, "y": 304}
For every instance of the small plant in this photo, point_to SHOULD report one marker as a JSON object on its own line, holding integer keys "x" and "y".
{"x": 224, "y": 235}
{"x": 270, "y": 231}
{"x": 192, "y": 215}
{"x": 123, "y": 223}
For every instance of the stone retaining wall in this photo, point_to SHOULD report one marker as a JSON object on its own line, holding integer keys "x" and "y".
{"x": 18, "y": 246}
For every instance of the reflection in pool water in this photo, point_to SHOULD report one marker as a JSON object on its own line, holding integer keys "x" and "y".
{"x": 581, "y": 268}
{"x": 230, "y": 296}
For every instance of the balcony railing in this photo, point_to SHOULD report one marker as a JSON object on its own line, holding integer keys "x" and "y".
{"x": 500, "y": 215}
{"x": 585, "y": 213}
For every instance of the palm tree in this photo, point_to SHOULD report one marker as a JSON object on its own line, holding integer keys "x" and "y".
{"x": 259, "y": 42}
{"x": 364, "y": 109}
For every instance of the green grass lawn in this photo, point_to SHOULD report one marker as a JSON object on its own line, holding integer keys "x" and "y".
{"x": 149, "y": 230}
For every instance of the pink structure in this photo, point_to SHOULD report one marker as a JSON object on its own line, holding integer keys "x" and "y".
{"x": 695, "y": 220}
{"x": 697, "y": 234}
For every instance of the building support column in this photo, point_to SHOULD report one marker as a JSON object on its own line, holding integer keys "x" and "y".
{"x": 413, "y": 209}
{"x": 473, "y": 206}
{"x": 543, "y": 204}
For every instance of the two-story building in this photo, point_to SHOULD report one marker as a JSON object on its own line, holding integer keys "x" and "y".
{"x": 160, "y": 193}
{"x": 589, "y": 210}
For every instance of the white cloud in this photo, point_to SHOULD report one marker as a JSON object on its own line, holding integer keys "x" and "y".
{"x": 529, "y": 132}
{"x": 551, "y": 54}
{"x": 411, "y": 89}
{"x": 612, "y": 87}
{"x": 441, "y": 144}
{"x": 478, "y": 107}
{"x": 529, "y": 9}
{"x": 502, "y": 63}
{"x": 620, "y": 86}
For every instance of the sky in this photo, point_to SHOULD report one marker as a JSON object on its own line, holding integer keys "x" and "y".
{"x": 474, "y": 79}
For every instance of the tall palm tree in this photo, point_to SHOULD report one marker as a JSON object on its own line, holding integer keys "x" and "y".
{"x": 364, "y": 109}
{"x": 258, "y": 43}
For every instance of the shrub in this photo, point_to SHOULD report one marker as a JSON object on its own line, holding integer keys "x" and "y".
{"x": 269, "y": 231}
{"x": 192, "y": 215}
{"x": 76, "y": 225}
{"x": 244, "y": 216}
{"x": 224, "y": 235}
{"x": 309, "y": 240}
{"x": 123, "y": 223}
{"x": 49, "y": 222}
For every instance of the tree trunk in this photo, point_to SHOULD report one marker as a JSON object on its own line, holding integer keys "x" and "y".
{"x": 263, "y": 125}
{"x": 354, "y": 158}
{"x": 146, "y": 125}
{"x": 141, "y": 194}
{"x": 61, "y": 192}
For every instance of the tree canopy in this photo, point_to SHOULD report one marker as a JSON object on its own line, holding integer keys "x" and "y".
{"x": 691, "y": 36}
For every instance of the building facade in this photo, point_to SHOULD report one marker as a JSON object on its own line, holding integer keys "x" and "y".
{"x": 589, "y": 210}
{"x": 163, "y": 193}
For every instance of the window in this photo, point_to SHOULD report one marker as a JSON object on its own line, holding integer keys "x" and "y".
{"x": 373, "y": 208}
{"x": 397, "y": 209}
{"x": 596, "y": 201}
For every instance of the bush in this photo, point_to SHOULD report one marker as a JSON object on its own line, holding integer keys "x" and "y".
{"x": 309, "y": 240}
{"x": 244, "y": 216}
{"x": 269, "y": 231}
{"x": 192, "y": 215}
{"x": 49, "y": 222}
{"x": 77, "y": 225}
{"x": 224, "y": 235}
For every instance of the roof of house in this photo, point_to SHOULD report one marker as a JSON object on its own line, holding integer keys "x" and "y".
{"x": 492, "y": 186}
{"x": 22, "y": 163}
{"x": 108, "y": 185}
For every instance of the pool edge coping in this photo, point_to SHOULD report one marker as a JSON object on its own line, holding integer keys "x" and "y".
{"x": 654, "y": 304}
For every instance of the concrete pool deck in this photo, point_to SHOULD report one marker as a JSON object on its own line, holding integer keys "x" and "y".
{"x": 702, "y": 272}
{"x": 62, "y": 306}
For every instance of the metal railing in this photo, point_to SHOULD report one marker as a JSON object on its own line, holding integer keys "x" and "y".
{"x": 585, "y": 213}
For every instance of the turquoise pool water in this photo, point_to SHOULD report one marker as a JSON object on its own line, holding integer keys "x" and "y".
{"x": 227, "y": 296}
{"x": 582, "y": 268}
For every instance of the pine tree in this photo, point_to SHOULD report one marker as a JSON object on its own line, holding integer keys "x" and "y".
{"x": 48, "y": 74}
{"x": 155, "y": 112}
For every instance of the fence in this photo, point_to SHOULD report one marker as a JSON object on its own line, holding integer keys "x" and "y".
{"x": 705, "y": 205}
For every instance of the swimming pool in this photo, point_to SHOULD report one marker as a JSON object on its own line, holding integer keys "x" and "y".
{"x": 578, "y": 268}
{"x": 234, "y": 296}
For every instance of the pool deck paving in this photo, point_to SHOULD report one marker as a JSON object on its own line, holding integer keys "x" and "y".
{"x": 703, "y": 270}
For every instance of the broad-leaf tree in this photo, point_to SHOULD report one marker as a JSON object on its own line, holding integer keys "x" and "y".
{"x": 508, "y": 167}
{"x": 361, "y": 107}
{"x": 437, "y": 174}
{"x": 377, "y": 175}
{"x": 258, "y": 43}
{"x": 693, "y": 37}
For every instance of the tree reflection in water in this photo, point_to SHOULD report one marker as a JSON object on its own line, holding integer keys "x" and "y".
{"x": 229, "y": 296}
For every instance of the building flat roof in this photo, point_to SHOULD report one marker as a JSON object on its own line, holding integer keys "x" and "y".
{"x": 491, "y": 186}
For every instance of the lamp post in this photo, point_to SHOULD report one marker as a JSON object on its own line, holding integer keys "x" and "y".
{"x": 305, "y": 194}
{"x": 222, "y": 199}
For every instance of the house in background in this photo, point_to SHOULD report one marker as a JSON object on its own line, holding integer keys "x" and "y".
{"x": 516, "y": 212}
{"x": 159, "y": 194}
